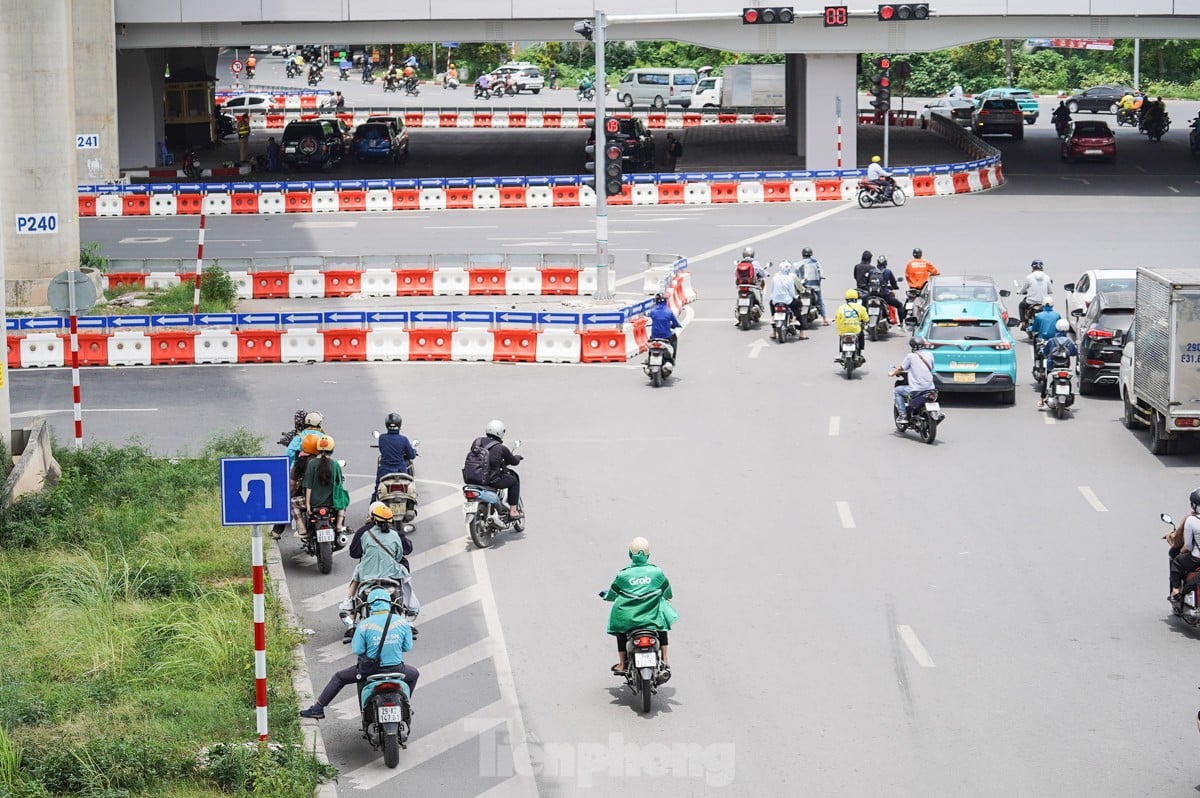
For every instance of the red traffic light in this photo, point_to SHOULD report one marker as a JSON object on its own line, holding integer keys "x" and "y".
{"x": 750, "y": 16}
{"x": 775, "y": 15}
{"x": 901, "y": 12}
{"x": 883, "y": 81}
{"x": 612, "y": 153}
{"x": 612, "y": 125}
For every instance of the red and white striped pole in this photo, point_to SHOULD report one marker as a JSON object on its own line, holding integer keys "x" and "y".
{"x": 75, "y": 393}
{"x": 199, "y": 266}
{"x": 839, "y": 132}
{"x": 260, "y": 632}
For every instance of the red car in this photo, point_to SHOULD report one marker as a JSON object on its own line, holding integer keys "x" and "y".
{"x": 1089, "y": 139}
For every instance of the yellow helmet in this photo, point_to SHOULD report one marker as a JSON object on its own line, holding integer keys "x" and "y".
{"x": 874, "y": 159}
{"x": 325, "y": 444}
{"x": 851, "y": 294}
{"x": 380, "y": 512}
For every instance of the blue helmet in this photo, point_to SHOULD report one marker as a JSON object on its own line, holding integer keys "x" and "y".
{"x": 379, "y": 599}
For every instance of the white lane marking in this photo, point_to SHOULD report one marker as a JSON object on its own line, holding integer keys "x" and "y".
{"x": 295, "y": 251}
{"x": 633, "y": 278}
{"x": 423, "y": 747}
{"x": 843, "y": 509}
{"x": 746, "y": 225}
{"x": 328, "y": 598}
{"x": 1092, "y": 499}
{"x": 431, "y": 557}
{"x": 1139, "y": 168}
{"x": 914, "y": 646}
{"x": 315, "y": 225}
{"x": 49, "y": 412}
{"x": 462, "y": 227}
{"x": 448, "y": 604}
{"x": 1172, "y": 188}
{"x": 234, "y": 241}
{"x": 756, "y": 346}
{"x": 787, "y": 228}
{"x": 145, "y": 240}
{"x": 166, "y": 229}
{"x": 835, "y": 425}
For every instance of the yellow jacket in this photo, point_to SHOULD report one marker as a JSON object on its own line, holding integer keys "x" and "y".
{"x": 850, "y": 318}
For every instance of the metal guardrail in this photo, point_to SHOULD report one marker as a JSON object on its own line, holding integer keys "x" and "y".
{"x": 965, "y": 140}
{"x": 422, "y": 261}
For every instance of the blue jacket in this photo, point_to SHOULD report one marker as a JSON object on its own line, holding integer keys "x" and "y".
{"x": 293, "y": 448}
{"x": 395, "y": 453}
{"x": 370, "y": 631}
{"x": 662, "y": 321}
{"x": 1043, "y": 324}
{"x": 1059, "y": 340}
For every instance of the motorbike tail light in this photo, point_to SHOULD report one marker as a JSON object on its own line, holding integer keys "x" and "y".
{"x": 644, "y": 642}
{"x": 395, "y": 489}
{"x": 1063, "y": 375}
{"x": 1187, "y": 422}
{"x": 387, "y": 686}
{"x": 743, "y": 291}
{"x": 1099, "y": 335}
{"x": 471, "y": 494}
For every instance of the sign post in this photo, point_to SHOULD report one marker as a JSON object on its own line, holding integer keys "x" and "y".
{"x": 73, "y": 291}
{"x": 244, "y": 502}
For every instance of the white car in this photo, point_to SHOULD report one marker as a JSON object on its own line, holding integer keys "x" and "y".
{"x": 1080, "y": 293}
{"x": 957, "y": 111}
{"x": 526, "y": 76}
{"x": 247, "y": 103}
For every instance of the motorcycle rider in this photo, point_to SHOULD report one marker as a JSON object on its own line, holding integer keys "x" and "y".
{"x": 396, "y": 452}
{"x": 391, "y": 78}
{"x": 880, "y": 177}
{"x": 851, "y": 319}
{"x": 811, "y": 275}
{"x": 499, "y": 458}
{"x": 918, "y": 271}
{"x": 1060, "y": 340}
{"x": 862, "y": 271}
{"x": 380, "y": 550}
{"x": 1061, "y": 118}
{"x": 918, "y": 365}
{"x": 663, "y": 324}
{"x": 783, "y": 291}
{"x": 303, "y": 446}
{"x": 376, "y": 654}
{"x": 368, "y": 70}
{"x": 1045, "y": 322}
{"x": 747, "y": 272}
{"x": 888, "y": 286}
{"x": 320, "y": 477}
{"x": 1153, "y": 114}
{"x": 641, "y": 595}
{"x": 1035, "y": 288}
{"x": 1188, "y": 558}
{"x": 481, "y": 85}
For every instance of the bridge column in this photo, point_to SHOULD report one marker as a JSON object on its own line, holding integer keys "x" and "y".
{"x": 826, "y": 78}
{"x": 96, "y": 89}
{"x": 37, "y": 174}
{"x": 140, "y": 106}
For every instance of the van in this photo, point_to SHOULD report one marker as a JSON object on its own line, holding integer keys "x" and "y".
{"x": 708, "y": 93}
{"x": 657, "y": 88}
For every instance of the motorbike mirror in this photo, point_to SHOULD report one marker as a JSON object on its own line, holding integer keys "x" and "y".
{"x": 341, "y": 463}
{"x": 415, "y": 442}
{"x": 517, "y": 443}
{"x": 1004, "y": 292}
{"x": 375, "y": 432}
{"x": 1167, "y": 519}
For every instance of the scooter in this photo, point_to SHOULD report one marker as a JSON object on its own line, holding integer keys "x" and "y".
{"x": 482, "y": 93}
{"x": 877, "y": 317}
{"x": 249, "y": 73}
{"x": 391, "y": 84}
{"x": 191, "y": 165}
{"x": 398, "y": 490}
{"x": 403, "y": 598}
{"x": 749, "y": 305}
{"x": 808, "y": 308}
{"x": 782, "y": 322}
{"x": 924, "y": 419}
{"x": 410, "y": 87}
{"x": 449, "y": 82}
{"x": 851, "y": 357}
{"x": 486, "y": 512}
{"x": 292, "y": 70}
{"x": 586, "y": 91}
{"x": 385, "y": 708}
{"x": 343, "y": 73}
{"x": 644, "y": 670}
{"x": 660, "y": 361}
{"x": 1194, "y": 135}
{"x": 1060, "y": 391}
{"x": 1127, "y": 117}
{"x": 1187, "y": 608}
{"x": 322, "y": 538}
{"x": 368, "y": 76}
{"x": 870, "y": 195}
{"x": 910, "y": 305}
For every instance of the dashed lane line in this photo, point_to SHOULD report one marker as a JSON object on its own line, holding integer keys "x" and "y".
{"x": 843, "y": 509}
{"x": 1092, "y": 499}
{"x": 914, "y": 646}
{"x": 835, "y": 425}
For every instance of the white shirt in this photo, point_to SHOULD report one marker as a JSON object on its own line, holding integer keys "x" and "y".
{"x": 875, "y": 171}
{"x": 918, "y": 366}
{"x": 783, "y": 288}
{"x": 1037, "y": 286}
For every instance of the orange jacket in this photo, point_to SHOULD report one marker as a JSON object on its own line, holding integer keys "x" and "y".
{"x": 918, "y": 271}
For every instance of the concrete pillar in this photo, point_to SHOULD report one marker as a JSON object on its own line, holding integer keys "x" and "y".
{"x": 795, "y": 70}
{"x": 140, "y": 106}
{"x": 829, "y": 78}
{"x": 37, "y": 175}
{"x": 96, "y": 89}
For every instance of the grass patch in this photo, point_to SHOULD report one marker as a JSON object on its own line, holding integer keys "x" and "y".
{"x": 125, "y": 638}
{"x": 217, "y": 295}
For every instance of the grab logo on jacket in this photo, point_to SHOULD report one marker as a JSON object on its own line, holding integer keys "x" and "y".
{"x": 639, "y": 580}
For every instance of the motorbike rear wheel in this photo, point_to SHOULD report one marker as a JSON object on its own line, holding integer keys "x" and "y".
{"x": 1060, "y": 410}
{"x": 482, "y": 533}
{"x": 391, "y": 749}
{"x": 656, "y": 378}
{"x": 325, "y": 556}
{"x": 929, "y": 430}
{"x": 849, "y": 364}
{"x": 744, "y": 321}
{"x": 647, "y": 694}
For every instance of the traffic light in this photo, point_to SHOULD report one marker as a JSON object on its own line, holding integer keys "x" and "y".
{"x": 613, "y": 168}
{"x": 881, "y": 84}
{"x": 776, "y": 15}
{"x": 902, "y": 12}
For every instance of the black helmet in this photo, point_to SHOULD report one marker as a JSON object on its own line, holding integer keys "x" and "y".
{"x": 1195, "y": 498}
{"x": 1038, "y": 265}
{"x": 916, "y": 342}
{"x": 393, "y": 421}
{"x": 881, "y": 262}
{"x": 806, "y": 252}
{"x": 659, "y": 298}
{"x": 866, "y": 256}
{"x": 916, "y": 252}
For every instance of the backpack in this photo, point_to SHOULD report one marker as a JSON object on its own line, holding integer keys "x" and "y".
{"x": 478, "y": 466}
{"x": 744, "y": 274}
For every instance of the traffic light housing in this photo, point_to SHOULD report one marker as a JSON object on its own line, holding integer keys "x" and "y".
{"x": 881, "y": 84}
{"x": 614, "y": 168}
{"x": 774, "y": 15}
{"x": 903, "y": 12}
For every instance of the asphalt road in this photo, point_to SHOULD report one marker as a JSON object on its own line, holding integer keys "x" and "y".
{"x": 861, "y": 613}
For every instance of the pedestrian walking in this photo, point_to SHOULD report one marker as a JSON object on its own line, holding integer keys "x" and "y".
{"x": 674, "y": 151}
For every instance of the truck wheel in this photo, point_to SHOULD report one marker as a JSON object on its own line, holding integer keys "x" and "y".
{"x": 1160, "y": 442}
{"x": 1129, "y": 418}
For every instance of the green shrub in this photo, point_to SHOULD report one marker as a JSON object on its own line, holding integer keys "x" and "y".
{"x": 271, "y": 772}
{"x": 90, "y": 257}
{"x": 105, "y": 766}
{"x": 217, "y": 288}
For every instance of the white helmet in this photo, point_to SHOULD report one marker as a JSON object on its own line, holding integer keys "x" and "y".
{"x": 785, "y": 266}
{"x": 495, "y": 428}
{"x": 314, "y": 419}
{"x": 1048, "y": 301}
{"x": 748, "y": 252}
{"x": 639, "y": 545}
{"x": 1061, "y": 325}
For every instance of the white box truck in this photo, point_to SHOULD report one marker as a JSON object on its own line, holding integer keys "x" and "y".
{"x": 753, "y": 86}
{"x": 1160, "y": 364}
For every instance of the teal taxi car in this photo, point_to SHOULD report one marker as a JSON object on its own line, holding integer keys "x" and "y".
{"x": 973, "y": 351}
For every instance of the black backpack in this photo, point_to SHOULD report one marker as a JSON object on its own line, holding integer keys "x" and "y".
{"x": 477, "y": 468}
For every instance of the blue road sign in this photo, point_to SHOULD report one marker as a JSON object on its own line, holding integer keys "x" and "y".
{"x": 516, "y": 317}
{"x": 346, "y": 317}
{"x": 10, "y": 325}
{"x": 388, "y": 316}
{"x": 558, "y": 318}
{"x": 41, "y": 322}
{"x": 440, "y": 316}
{"x": 604, "y": 318}
{"x": 216, "y": 319}
{"x": 474, "y": 316}
{"x": 177, "y": 320}
{"x": 92, "y": 322}
{"x": 254, "y": 490}
{"x": 124, "y": 322}
{"x": 246, "y": 319}
{"x": 303, "y": 318}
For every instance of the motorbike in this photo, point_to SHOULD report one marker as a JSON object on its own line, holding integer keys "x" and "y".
{"x": 410, "y": 87}
{"x": 322, "y": 538}
{"x": 870, "y": 194}
{"x": 398, "y": 490}
{"x": 586, "y": 91}
{"x": 385, "y": 704}
{"x": 643, "y": 670}
{"x": 249, "y": 73}
{"x": 343, "y": 74}
{"x": 782, "y": 322}
{"x": 1155, "y": 129}
{"x": 482, "y": 93}
{"x": 501, "y": 89}
{"x": 877, "y": 317}
{"x": 1060, "y": 393}
{"x": 314, "y": 78}
{"x": 1031, "y": 310}
{"x": 1060, "y": 126}
{"x": 660, "y": 360}
{"x": 391, "y": 84}
{"x": 1194, "y": 135}
{"x": 1188, "y": 608}
{"x": 809, "y": 313}
{"x": 225, "y": 125}
{"x": 292, "y": 70}
{"x": 924, "y": 420}
{"x": 1127, "y": 117}
{"x": 749, "y": 305}
{"x": 851, "y": 355}
{"x": 910, "y": 306}
{"x": 191, "y": 165}
{"x": 486, "y": 512}
{"x": 449, "y": 82}
{"x": 401, "y": 592}
{"x": 368, "y": 77}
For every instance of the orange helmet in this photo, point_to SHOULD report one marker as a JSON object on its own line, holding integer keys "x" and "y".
{"x": 324, "y": 443}
{"x": 308, "y": 444}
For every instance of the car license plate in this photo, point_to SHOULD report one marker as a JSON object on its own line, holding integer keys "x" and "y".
{"x": 645, "y": 659}
{"x": 744, "y": 302}
{"x": 1093, "y": 152}
{"x": 933, "y": 407}
{"x": 324, "y": 535}
{"x": 848, "y": 347}
{"x": 964, "y": 376}
{"x": 1062, "y": 390}
{"x": 390, "y": 714}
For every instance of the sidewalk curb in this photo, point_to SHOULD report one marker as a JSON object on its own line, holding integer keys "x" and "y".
{"x": 301, "y": 681}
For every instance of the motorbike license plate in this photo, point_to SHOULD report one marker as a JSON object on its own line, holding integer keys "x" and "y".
{"x": 744, "y": 302}
{"x": 848, "y": 347}
{"x": 1062, "y": 390}
{"x": 324, "y": 535}
{"x": 874, "y": 313}
{"x": 779, "y": 317}
{"x": 964, "y": 376}
{"x": 933, "y": 407}
{"x": 645, "y": 659}
{"x": 390, "y": 714}
{"x": 656, "y": 358}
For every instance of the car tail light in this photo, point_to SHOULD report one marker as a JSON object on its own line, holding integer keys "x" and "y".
{"x": 1187, "y": 422}
{"x": 1017, "y": 112}
{"x": 984, "y": 113}
{"x": 1091, "y": 362}
{"x": 644, "y": 641}
{"x": 1099, "y": 335}
{"x": 1002, "y": 346}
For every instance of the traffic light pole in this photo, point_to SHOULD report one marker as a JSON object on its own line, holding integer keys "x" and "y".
{"x": 599, "y": 82}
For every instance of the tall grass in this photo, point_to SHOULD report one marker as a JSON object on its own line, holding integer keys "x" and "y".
{"x": 125, "y": 638}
